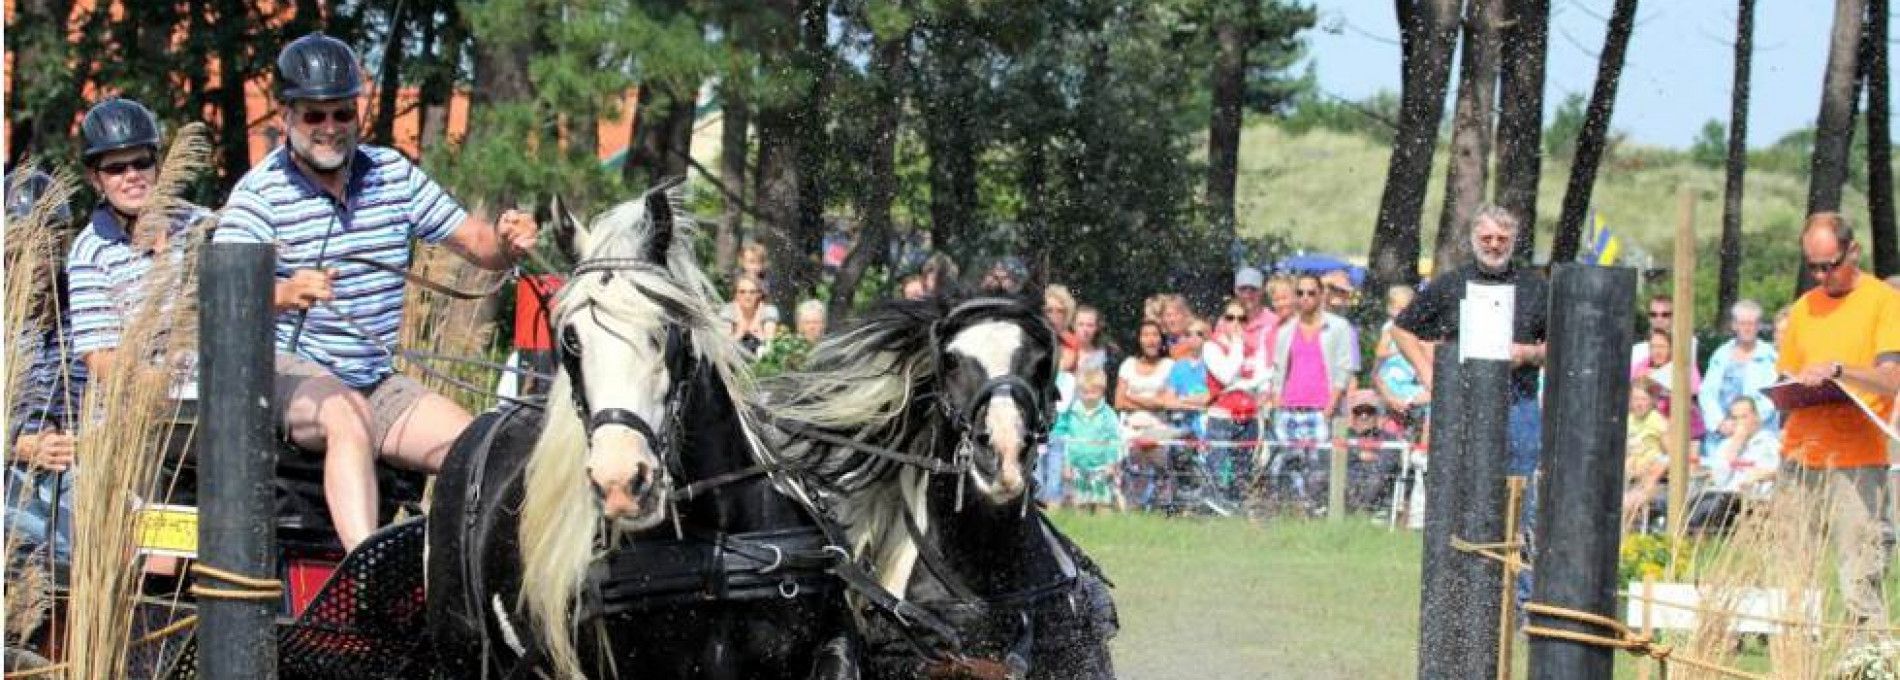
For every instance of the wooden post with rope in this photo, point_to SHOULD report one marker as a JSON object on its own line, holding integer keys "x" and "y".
{"x": 238, "y": 596}
{"x": 1580, "y": 495}
{"x": 1682, "y": 359}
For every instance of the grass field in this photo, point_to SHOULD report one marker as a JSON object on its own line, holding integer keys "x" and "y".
{"x": 1202, "y": 598}
{"x": 1229, "y": 599}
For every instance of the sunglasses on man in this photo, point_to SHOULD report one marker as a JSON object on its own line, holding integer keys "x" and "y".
{"x": 319, "y": 116}
{"x": 141, "y": 164}
{"x": 1365, "y": 411}
{"x": 1825, "y": 268}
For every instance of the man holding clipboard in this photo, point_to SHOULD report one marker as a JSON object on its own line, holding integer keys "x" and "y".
{"x": 1841, "y": 356}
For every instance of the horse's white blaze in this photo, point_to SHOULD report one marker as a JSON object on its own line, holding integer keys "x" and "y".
{"x": 620, "y": 460}
{"x": 992, "y": 344}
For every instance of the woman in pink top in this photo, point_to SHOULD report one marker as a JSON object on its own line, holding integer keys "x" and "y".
{"x": 1660, "y": 368}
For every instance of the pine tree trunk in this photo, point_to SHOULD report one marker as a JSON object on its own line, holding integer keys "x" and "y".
{"x": 733, "y": 150}
{"x": 438, "y": 88}
{"x": 1882, "y": 235}
{"x": 389, "y": 80}
{"x": 1596, "y": 131}
{"x": 1229, "y": 84}
{"x": 799, "y": 276}
{"x": 1428, "y": 29}
{"x": 1471, "y": 126}
{"x": 874, "y": 232}
{"x": 234, "y": 141}
{"x": 38, "y": 46}
{"x": 1525, "y": 45}
{"x": 1834, "y": 128}
{"x": 649, "y": 137}
{"x": 679, "y": 135}
{"x": 778, "y": 187}
{"x": 1729, "y": 281}
{"x": 791, "y": 139}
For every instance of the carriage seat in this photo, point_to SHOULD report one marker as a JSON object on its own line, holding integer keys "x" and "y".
{"x": 303, "y": 517}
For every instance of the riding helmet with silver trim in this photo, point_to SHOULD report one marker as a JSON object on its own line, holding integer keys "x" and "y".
{"x": 318, "y": 67}
{"x": 116, "y": 124}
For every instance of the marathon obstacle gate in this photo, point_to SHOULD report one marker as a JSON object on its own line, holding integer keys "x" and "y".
{"x": 1472, "y": 542}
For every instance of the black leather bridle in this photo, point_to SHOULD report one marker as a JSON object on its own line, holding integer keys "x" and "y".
{"x": 969, "y": 419}
{"x": 676, "y": 354}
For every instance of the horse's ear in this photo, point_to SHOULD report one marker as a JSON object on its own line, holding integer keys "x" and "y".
{"x": 570, "y": 238}
{"x": 659, "y": 203}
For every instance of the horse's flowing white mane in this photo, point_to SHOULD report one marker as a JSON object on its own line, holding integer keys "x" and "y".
{"x": 873, "y": 383}
{"x": 559, "y": 516}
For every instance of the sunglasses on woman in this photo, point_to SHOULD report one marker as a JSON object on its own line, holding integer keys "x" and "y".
{"x": 141, "y": 164}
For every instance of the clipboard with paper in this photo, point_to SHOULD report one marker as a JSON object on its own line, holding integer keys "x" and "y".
{"x": 1789, "y": 395}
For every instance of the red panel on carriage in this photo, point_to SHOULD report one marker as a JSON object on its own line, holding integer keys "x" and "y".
{"x": 307, "y": 577}
{"x": 531, "y": 322}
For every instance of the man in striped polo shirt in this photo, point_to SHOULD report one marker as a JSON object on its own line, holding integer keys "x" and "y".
{"x": 108, "y": 264}
{"x": 328, "y": 203}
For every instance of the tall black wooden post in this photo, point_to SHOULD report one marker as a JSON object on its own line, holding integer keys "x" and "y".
{"x": 1586, "y": 408}
{"x": 237, "y": 637}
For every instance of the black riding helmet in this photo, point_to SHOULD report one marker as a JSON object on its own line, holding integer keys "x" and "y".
{"x": 317, "y": 67}
{"x": 116, "y": 124}
{"x": 24, "y": 192}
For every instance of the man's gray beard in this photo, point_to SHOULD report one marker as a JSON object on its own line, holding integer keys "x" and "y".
{"x": 304, "y": 151}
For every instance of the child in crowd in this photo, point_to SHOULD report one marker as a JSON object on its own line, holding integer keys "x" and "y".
{"x": 1092, "y": 444}
{"x": 1647, "y": 456}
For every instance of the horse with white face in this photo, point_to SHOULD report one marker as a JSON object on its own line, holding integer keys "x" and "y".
{"x": 642, "y": 495}
{"x": 949, "y": 400}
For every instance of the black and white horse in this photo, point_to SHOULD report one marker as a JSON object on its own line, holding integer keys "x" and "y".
{"x": 962, "y": 391}
{"x": 638, "y": 529}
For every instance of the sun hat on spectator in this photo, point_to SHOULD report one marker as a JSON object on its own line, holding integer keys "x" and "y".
{"x": 1249, "y": 276}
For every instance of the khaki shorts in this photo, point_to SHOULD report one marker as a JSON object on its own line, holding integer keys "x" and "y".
{"x": 389, "y": 400}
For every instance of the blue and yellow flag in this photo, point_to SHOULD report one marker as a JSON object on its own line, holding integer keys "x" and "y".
{"x": 1604, "y": 245}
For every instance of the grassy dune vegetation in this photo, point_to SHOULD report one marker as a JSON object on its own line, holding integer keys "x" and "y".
{"x": 1320, "y": 190}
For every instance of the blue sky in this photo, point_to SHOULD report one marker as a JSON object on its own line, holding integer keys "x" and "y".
{"x": 1676, "y": 78}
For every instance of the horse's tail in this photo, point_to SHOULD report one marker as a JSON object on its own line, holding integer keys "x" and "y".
{"x": 557, "y": 531}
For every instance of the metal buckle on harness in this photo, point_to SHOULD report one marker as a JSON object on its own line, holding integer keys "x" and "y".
{"x": 788, "y": 589}
{"x": 778, "y": 558}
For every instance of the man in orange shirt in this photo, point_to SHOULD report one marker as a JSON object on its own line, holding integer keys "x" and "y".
{"x": 1847, "y": 329}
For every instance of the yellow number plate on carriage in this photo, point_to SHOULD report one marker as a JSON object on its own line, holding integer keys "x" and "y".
{"x": 168, "y": 530}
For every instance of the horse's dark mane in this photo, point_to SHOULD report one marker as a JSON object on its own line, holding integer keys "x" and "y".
{"x": 876, "y": 380}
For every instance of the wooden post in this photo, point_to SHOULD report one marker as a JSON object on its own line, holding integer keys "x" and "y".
{"x": 1681, "y": 399}
{"x": 1339, "y": 472}
{"x": 237, "y": 637}
{"x": 1586, "y": 413}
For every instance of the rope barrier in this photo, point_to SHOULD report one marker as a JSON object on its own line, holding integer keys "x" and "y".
{"x": 258, "y": 588}
{"x": 1621, "y": 637}
{"x": 1504, "y": 552}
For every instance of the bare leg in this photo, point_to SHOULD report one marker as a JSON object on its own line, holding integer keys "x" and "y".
{"x": 421, "y": 438}
{"x": 324, "y": 415}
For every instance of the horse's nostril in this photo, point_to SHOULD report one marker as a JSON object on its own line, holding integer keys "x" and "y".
{"x": 641, "y": 483}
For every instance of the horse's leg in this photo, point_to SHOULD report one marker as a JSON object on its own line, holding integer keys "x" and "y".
{"x": 837, "y": 658}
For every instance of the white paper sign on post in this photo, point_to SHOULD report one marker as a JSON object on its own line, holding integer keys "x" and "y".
{"x": 1484, "y": 322}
